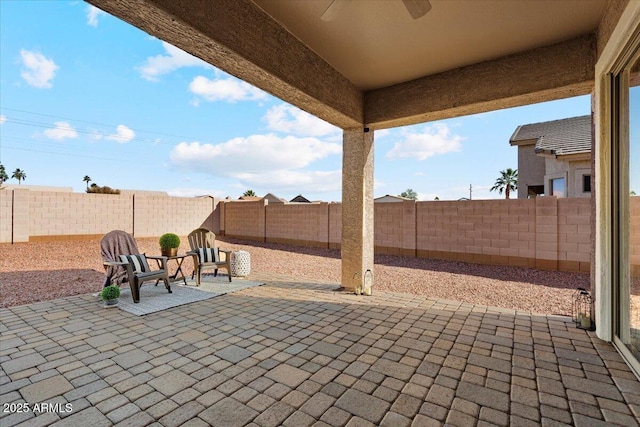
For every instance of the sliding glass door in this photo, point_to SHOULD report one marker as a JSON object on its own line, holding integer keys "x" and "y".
{"x": 626, "y": 206}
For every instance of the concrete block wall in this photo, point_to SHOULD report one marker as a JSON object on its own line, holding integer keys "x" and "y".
{"x": 27, "y": 215}
{"x": 245, "y": 220}
{"x": 6, "y": 214}
{"x": 59, "y": 216}
{"x": 545, "y": 233}
{"x": 574, "y": 235}
{"x": 155, "y": 215}
{"x": 388, "y": 227}
{"x": 335, "y": 225}
{"x": 301, "y": 224}
{"x": 481, "y": 231}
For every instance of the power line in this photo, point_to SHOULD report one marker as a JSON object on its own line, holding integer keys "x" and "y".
{"x": 41, "y": 124}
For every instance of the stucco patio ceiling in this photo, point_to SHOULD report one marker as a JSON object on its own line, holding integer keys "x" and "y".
{"x": 374, "y": 65}
{"x": 376, "y": 44}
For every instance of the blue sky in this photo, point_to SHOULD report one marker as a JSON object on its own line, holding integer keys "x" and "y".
{"x": 83, "y": 93}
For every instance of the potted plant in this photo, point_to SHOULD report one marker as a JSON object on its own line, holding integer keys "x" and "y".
{"x": 169, "y": 244}
{"x": 110, "y": 295}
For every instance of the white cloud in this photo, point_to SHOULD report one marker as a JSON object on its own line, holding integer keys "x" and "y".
{"x": 39, "y": 70}
{"x": 289, "y": 119}
{"x": 175, "y": 58}
{"x": 228, "y": 89}
{"x": 299, "y": 181}
{"x": 123, "y": 135}
{"x": 435, "y": 139}
{"x": 3, "y": 119}
{"x": 382, "y": 133}
{"x": 256, "y": 153}
{"x": 268, "y": 162}
{"x": 61, "y": 131}
{"x": 92, "y": 15}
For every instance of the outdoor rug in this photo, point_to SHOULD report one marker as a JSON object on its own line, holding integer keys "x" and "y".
{"x": 221, "y": 284}
{"x": 156, "y": 298}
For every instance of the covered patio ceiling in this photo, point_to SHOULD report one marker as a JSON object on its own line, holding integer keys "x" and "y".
{"x": 375, "y": 66}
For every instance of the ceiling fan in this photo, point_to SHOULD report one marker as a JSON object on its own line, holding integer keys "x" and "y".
{"x": 416, "y": 8}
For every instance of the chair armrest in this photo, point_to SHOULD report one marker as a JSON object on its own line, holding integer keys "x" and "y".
{"x": 192, "y": 252}
{"x": 114, "y": 263}
{"x": 226, "y": 251}
{"x": 162, "y": 261}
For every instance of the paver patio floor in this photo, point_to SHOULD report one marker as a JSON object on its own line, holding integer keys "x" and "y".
{"x": 301, "y": 354}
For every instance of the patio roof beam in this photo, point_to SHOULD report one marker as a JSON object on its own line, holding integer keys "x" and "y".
{"x": 239, "y": 38}
{"x": 543, "y": 74}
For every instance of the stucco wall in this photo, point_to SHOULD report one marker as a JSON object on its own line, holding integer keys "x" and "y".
{"x": 530, "y": 169}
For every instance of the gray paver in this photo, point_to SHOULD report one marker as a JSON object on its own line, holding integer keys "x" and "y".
{"x": 88, "y": 417}
{"x": 172, "y": 382}
{"x": 233, "y": 353}
{"x": 288, "y": 375}
{"x": 46, "y": 389}
{"x": 363, "y": 405}
{"x": 22, "y": 363}
{"x": 228, "y": 413}
{"x": 260, "y": 358}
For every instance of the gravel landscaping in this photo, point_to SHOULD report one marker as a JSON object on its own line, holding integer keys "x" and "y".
{"x": 31, "y": 272}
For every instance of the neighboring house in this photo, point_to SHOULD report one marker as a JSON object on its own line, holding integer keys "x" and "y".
{"x": 389, "y": 199}
{"x": 299, "y": 199}
{"x": 554, "y": 158}
{"x": 272, "y": 199}
{"x": 250, "y": 198}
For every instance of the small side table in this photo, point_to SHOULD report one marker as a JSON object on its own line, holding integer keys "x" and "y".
{"x": 240, "y": 264}
{"x": 179, "y": 274}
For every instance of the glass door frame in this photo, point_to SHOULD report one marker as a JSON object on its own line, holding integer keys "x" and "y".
{"x": 611, "y": 107}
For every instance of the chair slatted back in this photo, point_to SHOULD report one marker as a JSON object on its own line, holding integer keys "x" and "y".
{"x": 202, "y": 238}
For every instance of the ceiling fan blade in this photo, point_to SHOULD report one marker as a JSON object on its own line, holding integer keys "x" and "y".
{"x": 333, "y": 10}
{"x": 416, "y": 8}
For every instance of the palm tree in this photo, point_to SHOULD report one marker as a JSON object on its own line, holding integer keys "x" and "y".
{"x": 19, "y": 175}
{"x": 409, "y": 194}
{"x": 249, "y": 193}
{"x": 87, "y": 179}
{"x": 508, "y": 181}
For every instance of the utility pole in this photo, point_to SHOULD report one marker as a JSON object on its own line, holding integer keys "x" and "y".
{"x": 470, "y": 191}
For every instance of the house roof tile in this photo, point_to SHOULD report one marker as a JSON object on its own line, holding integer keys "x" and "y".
{"x": 557, "y": 137}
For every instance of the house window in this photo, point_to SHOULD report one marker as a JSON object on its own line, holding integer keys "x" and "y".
{"x": 586, "y": 183}
{"x": 557, "y": 187}
{"x": 535, "y": 190}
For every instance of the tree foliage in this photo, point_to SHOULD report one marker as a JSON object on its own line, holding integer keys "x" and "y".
{"x": 249, "y": 193}
{"x": 97, "y": 189}
{"x": 409, "y": 194}
{"x": 3, "y": 175}
{"x": 507, "y": 182}
{"x": 87, "y": 179}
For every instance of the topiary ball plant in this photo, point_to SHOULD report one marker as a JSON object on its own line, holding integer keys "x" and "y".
{"x": 169, "y": 244}
{"x": 111, "y": 292}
